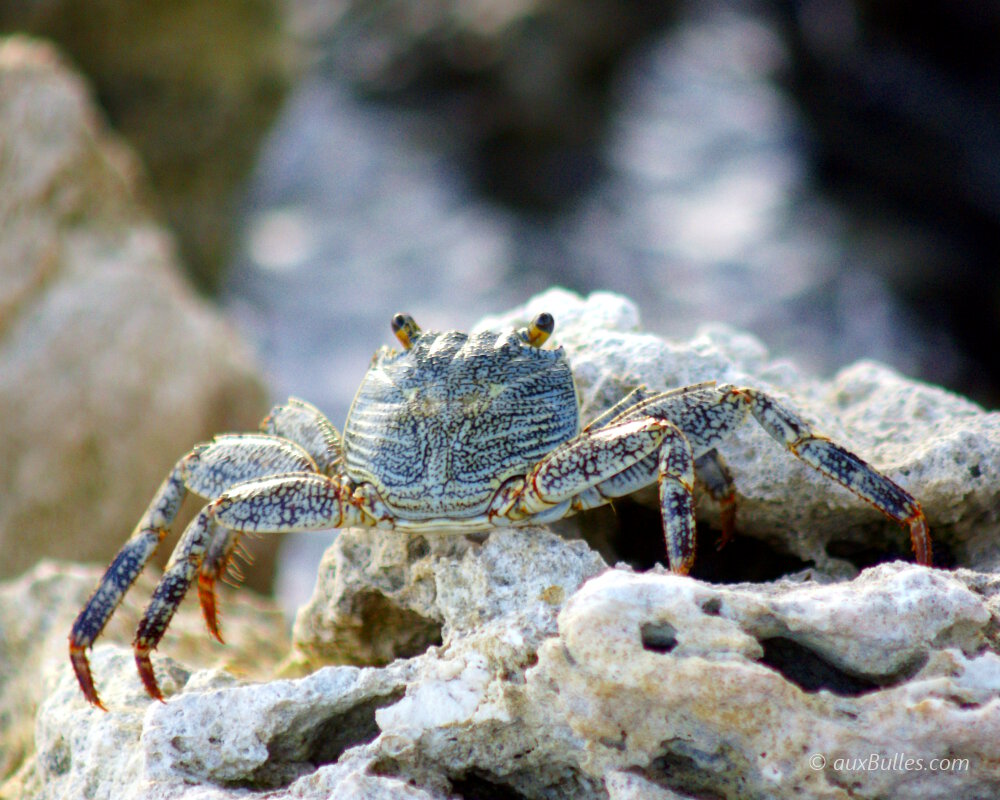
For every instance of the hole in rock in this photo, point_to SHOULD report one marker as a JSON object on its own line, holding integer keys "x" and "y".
{"x": 475, "y": 785}
{"x": 658, "y": 637}
{"x": 389, "y": 631}
{"x": 705, "y": 775}
{"x": 417, "y": 548}
{"x": 712, "y": 607}
{"x": 810, "y": 671}
{"x": 553, "y": 779}
{"x": 633, "y": 532}
{"x": 304, "y": 746}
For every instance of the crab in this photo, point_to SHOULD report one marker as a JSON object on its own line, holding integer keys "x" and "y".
{"x": 457, "y": 433}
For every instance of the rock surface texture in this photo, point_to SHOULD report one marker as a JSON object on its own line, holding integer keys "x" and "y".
{"x": 37, "y": 609}
{"x": 110, "y": 367}
{"x": 519, "y": 664}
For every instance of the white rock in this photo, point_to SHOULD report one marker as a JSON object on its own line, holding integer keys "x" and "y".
{"x": 381, "y": 594}
{"x": 716, "y": 722}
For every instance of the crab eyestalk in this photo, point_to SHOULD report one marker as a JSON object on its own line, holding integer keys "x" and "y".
{"x": 405, "y": 329}
{"x": 539, "y": 330}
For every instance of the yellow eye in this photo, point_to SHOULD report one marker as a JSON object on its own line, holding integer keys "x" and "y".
{"x": 405, "y": 329}
{"x": 540, "y": 329}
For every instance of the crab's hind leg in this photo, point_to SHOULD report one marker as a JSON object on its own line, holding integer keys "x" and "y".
{"x": 713, "y": 473}
{"x": 184, "y": 562}
{"x": 840, "y": 465}
{"x": 122, "y": 573}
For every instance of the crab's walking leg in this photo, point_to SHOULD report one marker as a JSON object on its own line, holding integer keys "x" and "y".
{"x": 841, "y": 465}
{"x": 676, "y": 482}
{"x": 171, "y": 589}
{"x": 611, "y": 461}
{"x": 713, "y": 472}
{"x": 208, "y": 470}
{"x": 303, "y": 501}
{"x": 304, "y": 424}
{"x": 592, "y": 458}
{"x": 121, "y": 574}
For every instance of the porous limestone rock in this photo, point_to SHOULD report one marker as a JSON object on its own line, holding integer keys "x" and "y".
{"x": 654, "y": 675}
{"x": 634, "y": 682}
{"x": 382, "y": 594}
{"x": 38, "y": 608}
{"x": 526, "y": 667}
{"x": 110, "y": 366}
{"x": 942, "y": 448}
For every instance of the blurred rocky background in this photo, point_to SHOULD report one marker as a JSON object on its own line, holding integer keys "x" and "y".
{"x": 192, "y": 86}
{"x": 822, "y": 174}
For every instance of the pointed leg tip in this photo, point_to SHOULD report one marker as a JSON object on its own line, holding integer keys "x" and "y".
{"x": 920, "y": 537}
{"x": 682, "y": 566}
{"x": 145, "y": 666}
{"x": 209, "y": 609}
{"x": 727, "y": 521}
{"x": 81, "y": 667}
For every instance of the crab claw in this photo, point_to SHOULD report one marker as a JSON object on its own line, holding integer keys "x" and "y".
{"x": 78, "y": 657}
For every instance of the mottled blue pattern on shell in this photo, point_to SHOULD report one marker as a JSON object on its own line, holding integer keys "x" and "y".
{"x": 438, "y": 428}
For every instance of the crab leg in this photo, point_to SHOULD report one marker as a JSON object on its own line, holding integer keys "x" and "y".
{"x": 592, "y": 458}
{"x": 208, "y": 470}
{"x": 840, "y": 465}
{"x": 306, "y": 425}
{"x": 676, "y": 483}
{"x": 713, "y": 472}
{"x": 303, "y": 501}
{"x": 121, "y": 574}
{"x": 170, "y": 591}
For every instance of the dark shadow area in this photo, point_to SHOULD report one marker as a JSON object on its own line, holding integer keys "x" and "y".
{"x": 904, "y": 114}
{"x": 383, "y": 620}
{"x": 811, "y": 672}
{"x": 633, "y": 532}
{"x": 863, "y": 556}
{"x": 658, "y": 637}
{"x": 475, "y": 785}
{"x": 302, "y": 749}
{"x": 687, "y": 775}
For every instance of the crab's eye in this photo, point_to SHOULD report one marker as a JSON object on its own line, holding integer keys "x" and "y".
{"x": 540, "y": 329}
{"x": 406, "y": 329}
